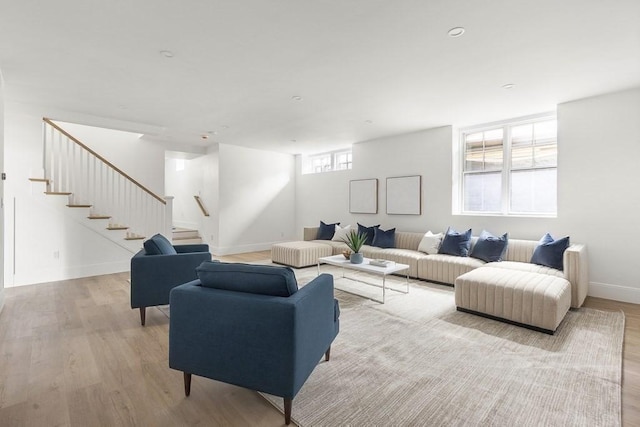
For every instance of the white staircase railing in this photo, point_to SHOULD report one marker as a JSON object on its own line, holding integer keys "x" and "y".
{"x": 72, "y": 167}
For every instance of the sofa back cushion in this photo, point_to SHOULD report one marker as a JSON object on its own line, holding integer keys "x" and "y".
{"x": 408, "y": 240}
{"x": 159, "y": 245}
{"x": 520, "y": 250}
{"x": 253, "y": 279}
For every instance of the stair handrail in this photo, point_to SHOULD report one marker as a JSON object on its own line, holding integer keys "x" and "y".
{"x": 105, "y": 161}
{"x": 204, "y": 210}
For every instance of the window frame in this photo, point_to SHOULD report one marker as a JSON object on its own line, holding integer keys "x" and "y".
{"x": 507, "y": 169}
{"x": 307, "y": 161}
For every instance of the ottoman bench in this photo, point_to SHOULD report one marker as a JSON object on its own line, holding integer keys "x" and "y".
{"x": 533, "y": 300}
{"x": 299, "y": 254}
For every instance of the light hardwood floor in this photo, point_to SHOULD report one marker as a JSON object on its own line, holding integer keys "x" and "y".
{"x": 74, "y": 353}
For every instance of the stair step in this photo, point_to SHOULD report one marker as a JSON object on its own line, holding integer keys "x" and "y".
{"x": 79, "y": 206}
{"x": 120, "y": 227}
{"x": 99, "y": 217}
{"x": 39, "y": 180}
{"x": 189, "y": 241}
{"x": 134, "y": 238}
{"x": 57, "y": 193}
{"x": 184, "y": 233}
{"x": 185, "y": 237}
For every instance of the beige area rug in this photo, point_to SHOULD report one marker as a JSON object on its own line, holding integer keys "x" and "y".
{"x": 416, "y": 361}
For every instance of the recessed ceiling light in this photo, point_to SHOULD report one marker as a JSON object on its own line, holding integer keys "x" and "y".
{"x": 508, "y": 86}
{"x": 204, "y": 136}
{"x": 456, "y": 32}
{"x": 368, "y": 121}
{"x": 296, "y": 98}
{"x": 166, "y": 53}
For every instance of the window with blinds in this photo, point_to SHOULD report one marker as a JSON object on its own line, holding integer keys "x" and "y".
{"x": 511, "y": 168}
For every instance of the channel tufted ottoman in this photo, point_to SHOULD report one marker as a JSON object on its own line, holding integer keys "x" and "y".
{"x": 536, "y": 301}
{"x": 299, "y": 254}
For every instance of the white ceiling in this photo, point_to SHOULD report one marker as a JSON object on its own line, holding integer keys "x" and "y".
{"x": 237, "y": 64}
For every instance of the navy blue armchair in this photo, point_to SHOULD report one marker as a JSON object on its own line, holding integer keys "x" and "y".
{"x": 250, "y": 326}
{"x": 157, "y": 270}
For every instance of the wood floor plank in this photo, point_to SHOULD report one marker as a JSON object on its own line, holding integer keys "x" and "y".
{"x": 14, "y": 415}
{"x": 14, "y": 373}
{"x": 44, "y": 409}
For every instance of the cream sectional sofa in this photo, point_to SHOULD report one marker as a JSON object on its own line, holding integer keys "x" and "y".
{"x": 447, "y": 268}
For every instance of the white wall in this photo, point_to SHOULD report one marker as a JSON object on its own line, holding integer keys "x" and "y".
{"x": 137, "y": 157}
{"x": 599, "y": 164}
{"x": 183, "y": 185}
{"x": 40, "y": 244}
{"x": 199, "y": 177}
{"x": 210, "y": 195}
{"x": 249, "y": 193}
{"x": 599, "y": 197}
{"x": 325, "y": 196}
{"x": 256, "y": 199}
{"x": 2, "y": 209}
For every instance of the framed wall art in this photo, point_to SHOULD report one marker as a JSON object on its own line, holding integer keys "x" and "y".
{"x": 363, "y": 196}
{"x": 404, "y": 195}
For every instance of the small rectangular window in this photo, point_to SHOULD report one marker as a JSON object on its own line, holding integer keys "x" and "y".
{"x": 326, "y": 162}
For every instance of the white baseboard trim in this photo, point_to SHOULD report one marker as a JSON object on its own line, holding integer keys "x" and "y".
{"x": 614, "y": 292}
{"x": 1, "y": 299}
{"x": 241, "y": 249}
{"x": 55, "y": 275}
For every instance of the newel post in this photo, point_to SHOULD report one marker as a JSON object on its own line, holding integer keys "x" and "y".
{"x": 168, "y": 217}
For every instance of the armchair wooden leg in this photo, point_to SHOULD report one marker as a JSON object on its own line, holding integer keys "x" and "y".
{"x": 187, "y": 384}
{"x": 327, "y": 355}
{"x": 287, "y": 410}
{"x": 143, "y": 313}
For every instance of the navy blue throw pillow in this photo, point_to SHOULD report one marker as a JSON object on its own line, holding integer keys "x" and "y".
{"x": 326, "y": 231}
{"x": 368, "y": 231}
{"x": 159, "y": 245}
{"x": 490, "y": 248}
{"x": 253, "y": 279}
{"x": 384, "y": 239}
{"x": 549, "y": 252}
{"x": 455, "y": 243}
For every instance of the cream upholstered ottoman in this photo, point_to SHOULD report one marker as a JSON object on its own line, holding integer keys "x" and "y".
{"x": 299, "y": 254}
{"x": 534, "y": 300}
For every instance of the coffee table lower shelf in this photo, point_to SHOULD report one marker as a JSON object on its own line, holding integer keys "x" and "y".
{"x": 365, "y": 267}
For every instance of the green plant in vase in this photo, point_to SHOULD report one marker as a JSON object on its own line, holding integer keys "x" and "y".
{"x": 355, "y": 241}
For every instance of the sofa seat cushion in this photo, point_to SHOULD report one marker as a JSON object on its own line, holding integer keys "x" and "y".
{"x": 401, "y": 256}
{"x": 249, "y": 278}
{"x": 300, "y": 254}
{"x": 532, "y": 299}
{"x": 336, "y": 247}
{"x": 525, "y": 266}
{"x": 445, "y": 268}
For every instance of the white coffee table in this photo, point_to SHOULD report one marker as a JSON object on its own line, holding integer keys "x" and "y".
{"x": 341, "y": 261}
